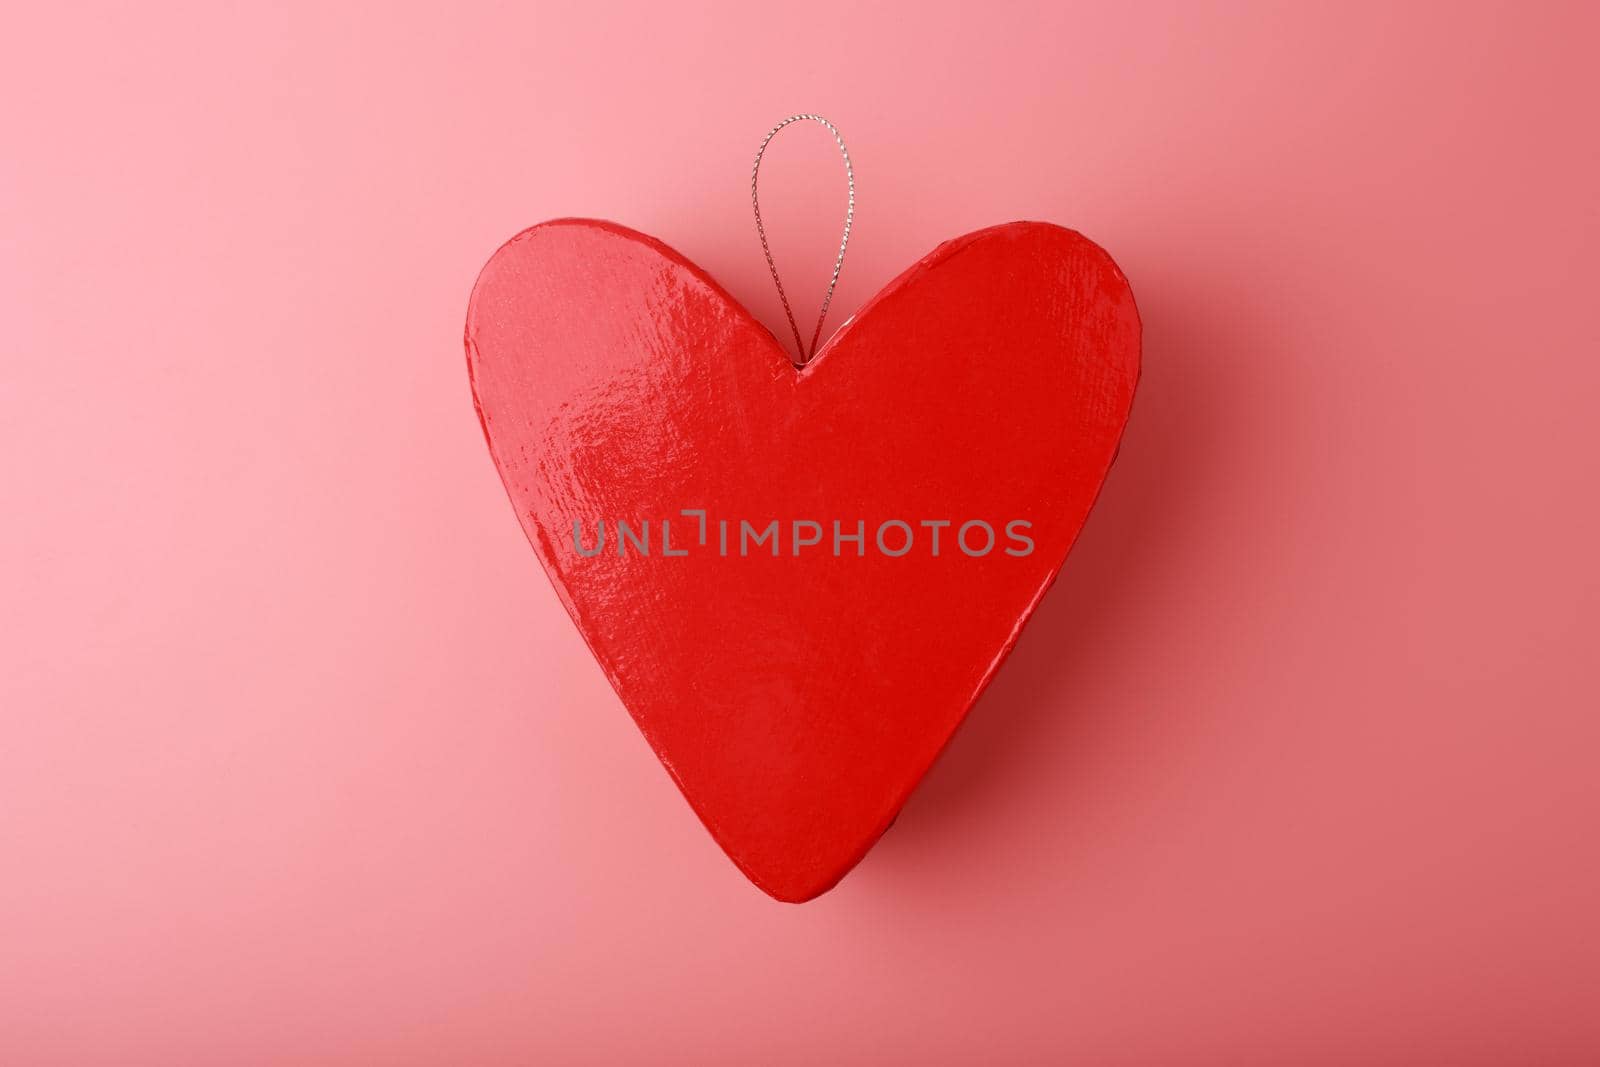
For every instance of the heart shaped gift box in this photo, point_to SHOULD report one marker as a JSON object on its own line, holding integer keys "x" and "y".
{"x": 808, "y": 575}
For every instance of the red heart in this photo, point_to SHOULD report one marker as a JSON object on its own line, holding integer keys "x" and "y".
{"x": 798, "y": 699}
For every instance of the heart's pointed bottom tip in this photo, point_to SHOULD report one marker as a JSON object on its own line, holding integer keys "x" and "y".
{"x": 795, "y": 889}
{"x": 795, "y": 896}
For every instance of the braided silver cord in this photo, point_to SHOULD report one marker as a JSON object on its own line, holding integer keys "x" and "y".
{"x": 849, "y": 217}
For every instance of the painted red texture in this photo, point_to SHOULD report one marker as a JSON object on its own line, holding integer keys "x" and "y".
{"x": 865, "y": 535}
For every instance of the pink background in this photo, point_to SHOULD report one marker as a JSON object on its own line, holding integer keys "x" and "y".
{"x": 302, "y": 761}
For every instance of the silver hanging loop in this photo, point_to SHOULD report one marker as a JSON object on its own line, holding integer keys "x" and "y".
{"x": 849, "y": 217}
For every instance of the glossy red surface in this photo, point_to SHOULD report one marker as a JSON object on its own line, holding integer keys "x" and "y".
{"x": 798, "y": 699}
